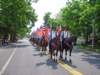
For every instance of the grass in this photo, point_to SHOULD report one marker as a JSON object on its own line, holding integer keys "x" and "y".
{"x": 96, "y": 48}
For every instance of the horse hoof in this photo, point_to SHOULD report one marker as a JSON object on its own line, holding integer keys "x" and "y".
{"x": 50, "y": 56}
{"x": 41, "y": 54}
{"x": 70, "y": 61}
{"x": 56, "y": 60}
{"x": 65, "y": 59}
{"x": 61, "y": 58}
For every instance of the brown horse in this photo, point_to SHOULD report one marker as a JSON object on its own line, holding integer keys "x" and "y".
{"x": 44, "y": 43}
{"x": 54, "y": 47}
{"x": 32, "y": 41}
{"x": 67, "y": 45}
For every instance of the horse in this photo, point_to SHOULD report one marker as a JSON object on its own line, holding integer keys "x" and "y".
{"x": 67, "y": 45}
{"x": 41, "y": 42}
{"x": 54, "y": 47}
{"x": 32, "y": 40}
{"x": 44, "y": 43}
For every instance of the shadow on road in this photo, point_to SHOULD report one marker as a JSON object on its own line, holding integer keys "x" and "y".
{"x": 18, "y": 46}
{"x": 48, "y": 62}
{"x": 51, "y": 63}
{"x": 76, "y": 50}
{"x": 92, "y": 59}
{"x": 38, "y": 54}
{"x": 14, "y": 46}
{"x": 69, "y": 62}
{"x": 36, "y": 48}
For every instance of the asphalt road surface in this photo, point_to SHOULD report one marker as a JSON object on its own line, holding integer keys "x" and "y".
{"x": 24, "y": 59}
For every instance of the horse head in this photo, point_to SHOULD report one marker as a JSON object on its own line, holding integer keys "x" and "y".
{"x": 44, "y": 41}
{"x": 73, "y": 39}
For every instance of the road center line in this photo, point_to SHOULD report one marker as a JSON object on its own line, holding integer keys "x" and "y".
{"x": 69, "y": 69}
{"x": 7, "y": 63}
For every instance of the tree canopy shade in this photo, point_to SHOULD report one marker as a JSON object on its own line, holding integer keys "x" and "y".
{"x": 80, "y": 16}
{"x": 16, "y": 16}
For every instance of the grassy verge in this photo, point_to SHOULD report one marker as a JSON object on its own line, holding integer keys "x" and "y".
{"x": 89, "y": 48}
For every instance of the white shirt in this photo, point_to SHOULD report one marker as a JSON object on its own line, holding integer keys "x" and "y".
{"x": 53, "y": 34}
{"x": 65, "y": 34}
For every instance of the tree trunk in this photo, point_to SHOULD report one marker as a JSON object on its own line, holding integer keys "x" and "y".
{"x": 13, "y": 37}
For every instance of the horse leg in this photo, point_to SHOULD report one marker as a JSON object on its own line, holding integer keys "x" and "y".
{"x": 51, "y": 54}
{"x": 65, "y": 54}
{"x": 56, "y": 54}
{"x": 42, "y": 50}
{"x": 70, "y": 51}
{"x": 45, "y": 50}
{"x": 61, "y": 54}
{"x": 50, "y": 50}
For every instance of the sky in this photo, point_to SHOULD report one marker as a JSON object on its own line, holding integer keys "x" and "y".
{"x": 43, "y": 6}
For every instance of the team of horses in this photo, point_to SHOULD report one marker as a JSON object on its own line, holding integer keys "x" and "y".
{"x": 55, "y": 46}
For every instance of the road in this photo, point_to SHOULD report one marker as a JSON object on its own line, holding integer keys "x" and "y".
{"x": 24, "y": 59}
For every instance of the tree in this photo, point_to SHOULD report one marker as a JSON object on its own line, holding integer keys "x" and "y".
{"x": 78, "y": 15}
{"x": 15, "y": 16}
{"x": 46, "y": 18}
{"x": 70, "y": 16}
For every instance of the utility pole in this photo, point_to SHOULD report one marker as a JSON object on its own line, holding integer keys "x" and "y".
{"x": 93, "y": 33}
{"x": 92, "y": 2}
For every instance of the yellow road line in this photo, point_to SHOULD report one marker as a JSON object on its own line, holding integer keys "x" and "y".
{"x": 69, "y": 69}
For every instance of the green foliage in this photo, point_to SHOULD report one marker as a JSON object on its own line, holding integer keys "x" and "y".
{"x": 15, "y": 16}
{"x": 70, "y": 15}
{"x": 46, "y": 18}
{"x": 80, "y": 16}
{"x": 48, "y": 21}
